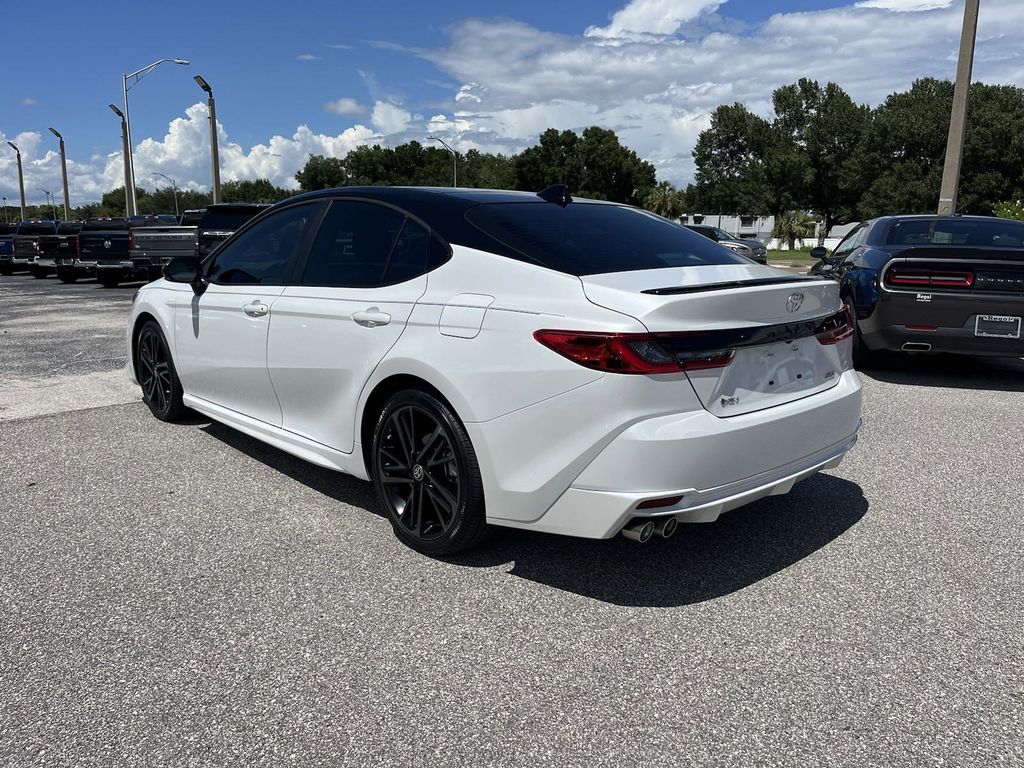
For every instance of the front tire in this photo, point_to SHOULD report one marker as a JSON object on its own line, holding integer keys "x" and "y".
{"x": 427, "y": 476}
{"x": 67, "y": 277}
{"x": 108, "y": 282}
{"x": 161, "y": 388}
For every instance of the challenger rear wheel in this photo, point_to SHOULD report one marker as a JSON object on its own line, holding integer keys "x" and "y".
{"x": 427, "y": 476}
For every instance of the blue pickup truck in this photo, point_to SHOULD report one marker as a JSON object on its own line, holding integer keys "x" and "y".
{"x": 26, "y": 245}
{"x": 6, "y": 246}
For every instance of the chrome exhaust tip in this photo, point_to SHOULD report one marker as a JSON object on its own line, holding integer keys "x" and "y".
{"x": 666, "y": 527}
{"x": 639, "y": 530}
{"x": 916, "y": 346}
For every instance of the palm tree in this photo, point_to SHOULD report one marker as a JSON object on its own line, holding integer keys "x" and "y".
{"x": 791, "y": 226}
{"x": 664, "y": 200}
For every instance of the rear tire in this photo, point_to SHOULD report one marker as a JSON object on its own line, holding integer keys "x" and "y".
{"x": 108, "y": 282}
{"x": 161, "y": 388}
{"x": 862, "y": 356}
{"x": 6, "y": 270}
{"x": 38, "y": 274}
{"x": 427, "y": 476}
{"x": 66, "y": 277}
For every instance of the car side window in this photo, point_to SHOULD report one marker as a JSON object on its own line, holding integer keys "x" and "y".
{"x": 263, "y": 254}
{"x": 364, "y": 245}
{"x": 851, "y": 241}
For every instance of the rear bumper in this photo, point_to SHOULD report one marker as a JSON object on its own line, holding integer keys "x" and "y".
{"x": 714, "y": 464}
{"x": 900, "y": 320}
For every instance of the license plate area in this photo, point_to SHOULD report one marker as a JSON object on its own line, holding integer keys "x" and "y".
{"x": 997, "y": 326}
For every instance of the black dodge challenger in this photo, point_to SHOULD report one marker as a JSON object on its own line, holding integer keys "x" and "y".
{"x": 932, "y": 284}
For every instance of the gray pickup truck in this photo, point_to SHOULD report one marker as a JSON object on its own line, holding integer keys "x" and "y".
{"x": 154, "y": 246}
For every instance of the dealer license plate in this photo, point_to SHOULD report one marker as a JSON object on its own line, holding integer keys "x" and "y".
{"x": 997, "y": 326}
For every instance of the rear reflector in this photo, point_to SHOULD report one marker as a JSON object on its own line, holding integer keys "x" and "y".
{"x": 904, "y": 276}
{"x": 666, "y": 501}
{"x": 922, "y": 327}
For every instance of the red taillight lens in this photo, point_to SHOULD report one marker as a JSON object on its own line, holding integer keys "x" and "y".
{"x": 834, "y": 329}
{"x": 627, "y": 352}
{"x": 928, "y": 277}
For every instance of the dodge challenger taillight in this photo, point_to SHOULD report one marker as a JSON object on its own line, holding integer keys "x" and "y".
{"x": 923, "y": 278}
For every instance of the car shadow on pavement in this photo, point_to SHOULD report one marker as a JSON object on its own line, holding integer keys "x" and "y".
{"x": 997, "y": 374}
{"x": 701, "y": 562}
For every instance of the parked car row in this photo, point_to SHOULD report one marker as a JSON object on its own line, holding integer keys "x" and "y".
{"x": 117, "y": 250}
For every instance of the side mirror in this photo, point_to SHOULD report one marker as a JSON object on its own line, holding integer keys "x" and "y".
{"x": 187, "y": 269}
{"x": 819, "y": 252}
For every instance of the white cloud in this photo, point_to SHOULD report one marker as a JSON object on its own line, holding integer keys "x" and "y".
{"x": 902, "y": 6}
{"x": 307, "y": 57}
{"x": 345, "y": 107}
{"x": 28, "y": 101}
{"x": 653, "y": 17}
{"x": 389, "y": 118}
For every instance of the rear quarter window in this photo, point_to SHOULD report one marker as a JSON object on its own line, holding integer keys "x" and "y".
{"x": 595, "y": 238}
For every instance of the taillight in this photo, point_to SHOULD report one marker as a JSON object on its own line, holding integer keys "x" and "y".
{"x": 634, "y": 353}
{"x": 835, "y": 328}
{"x": 928, "y": 277}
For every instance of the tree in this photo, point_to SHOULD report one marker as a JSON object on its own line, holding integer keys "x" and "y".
{"x": 665, "y": 200}
{"x": 1010, "y": 209}
{"x": 593, "y": 165}
{"x": 252, "y": 191}
{"x": 791, "y": 226}
{"x": 826, "y": 127}
{"x": 321, "y": 172}
{"x": 729, "y": 155}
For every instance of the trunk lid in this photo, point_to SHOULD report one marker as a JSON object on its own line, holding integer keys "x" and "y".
{"x": 767, "y": 318}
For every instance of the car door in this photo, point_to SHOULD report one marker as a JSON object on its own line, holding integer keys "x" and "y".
{"x": 364, "y": 273}
{"x": 220, "y": 336}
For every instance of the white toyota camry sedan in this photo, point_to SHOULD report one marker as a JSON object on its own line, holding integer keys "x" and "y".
{"x": 491, "y": 358}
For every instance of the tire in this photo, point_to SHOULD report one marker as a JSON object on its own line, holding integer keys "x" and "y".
{"x": 108, "y": 282}
{"x": 862, "y": 356}
{"x": 161, "y": 388}
{"x": 38, "y": 274}
{"x": 427, "y": 476}
{"x": 6, "y": 269}
{"x": 67, "y": 277}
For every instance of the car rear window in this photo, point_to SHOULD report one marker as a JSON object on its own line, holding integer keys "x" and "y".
{"x": 191, "y": 218}
{"x": 37, "y": 229}
{"x": 228, "y": 218}
{"x": 1001, "y": 233}
{"x": 68, "y": 227}
{"x": 97, "y": 225}
{"x": 595, "y": 238}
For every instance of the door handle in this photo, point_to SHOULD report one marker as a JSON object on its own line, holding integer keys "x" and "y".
{"x": 371, "y": 318}
{"x": 255, "y": 309}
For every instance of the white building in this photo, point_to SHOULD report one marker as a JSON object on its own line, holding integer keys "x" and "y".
{"x": 760, "y": 228}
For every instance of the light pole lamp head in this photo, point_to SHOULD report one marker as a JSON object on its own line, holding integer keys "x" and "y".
{"x": 181, "y": 61}
{"x": 203, "y": 84}
{"x": 55, "y": 133}
{"x": 116, "y": 111}
{"x": 12, "y": 146}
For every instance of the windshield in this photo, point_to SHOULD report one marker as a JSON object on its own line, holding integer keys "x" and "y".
{"x": 95, "y": 225}
{"x": 594, "y": 238}
{"x": 37, "y": 228}
{"x": 722, "y": 234}
{"x": 228, "y": 218}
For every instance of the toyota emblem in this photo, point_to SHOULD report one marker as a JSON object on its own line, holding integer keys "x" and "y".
{"x": 794, "y": 302}
{"x": 107, "y": 244}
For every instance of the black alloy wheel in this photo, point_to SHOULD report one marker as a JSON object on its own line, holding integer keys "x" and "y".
{"x": 161, "y": 389}
{"x": 427, "y": 476}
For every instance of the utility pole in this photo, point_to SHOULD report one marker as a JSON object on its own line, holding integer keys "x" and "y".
{"x": 958, "y": 118}
{"x": 64, "y": 172}
{"x": 21, "y": 179}
{"x": 211, "y": 107}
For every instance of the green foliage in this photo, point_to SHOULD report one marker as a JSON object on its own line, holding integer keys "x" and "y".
{"x": 791, "y": 226}
{"x": 1009, "y": 209}
{"x": 252, "y": 191}
{"x": 665, "y": 200}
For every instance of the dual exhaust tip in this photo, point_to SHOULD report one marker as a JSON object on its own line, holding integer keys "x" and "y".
{"x": 916, "y": 346}
{"x": 643, "y": 530}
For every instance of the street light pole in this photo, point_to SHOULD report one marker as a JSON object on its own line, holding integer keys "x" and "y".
{"x": 124, "y": 157}
{"x": 958, "y": 118}
{"x": 174, "y": 186}
{"x": 455, "y": 177}
{"x": 214, "y": 154}
{"x": 51, "y": 201}
{"x": 21, "y": 178}
{"x": 5, "y": 211}
{"x": 64, "y": 172}
{"x": 136, "y": 76}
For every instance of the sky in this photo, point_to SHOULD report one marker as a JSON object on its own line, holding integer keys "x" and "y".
{"x": 321, "y": 77}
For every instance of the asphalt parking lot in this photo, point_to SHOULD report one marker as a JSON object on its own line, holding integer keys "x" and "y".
{"x": 184, "y": 595}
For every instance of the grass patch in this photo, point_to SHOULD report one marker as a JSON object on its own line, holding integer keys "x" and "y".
{"x": 790, "y": 256}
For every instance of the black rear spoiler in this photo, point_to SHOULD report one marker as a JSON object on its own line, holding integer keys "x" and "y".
{"x": 969, "y": 252}
{"x": 678, "y": 289}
